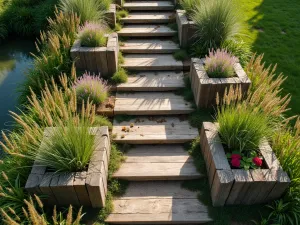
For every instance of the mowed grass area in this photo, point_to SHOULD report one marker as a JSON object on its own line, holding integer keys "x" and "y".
{"x": 273, "y": 28}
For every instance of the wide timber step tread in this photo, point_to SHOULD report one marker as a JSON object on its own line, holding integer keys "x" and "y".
{"x": 153, "y": 81}
{"x": 149, "y": 17}
{"x": 158, "y": 202}
{"x": 142, "y": 30}
{"x": 149, "y": 5}
{"x": 151, "y": 103}
{"x": 148, "y": 62}
{"x": 154, "y": 130}
{"x": 149, "y": 46}
{"x": 157, "y": 162}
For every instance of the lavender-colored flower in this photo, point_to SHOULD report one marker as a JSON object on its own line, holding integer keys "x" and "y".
{"x": 220, "y": 63}
{"x": 92, "y": 88}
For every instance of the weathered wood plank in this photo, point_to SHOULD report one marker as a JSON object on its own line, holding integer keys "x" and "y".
{"x": 149, "y": 46}
{"x": 149, "y": 5}
{"x": 148, "y": 17}
{"x": 46, "y": 190}
{"x": 80, "y": 188}
{"x": 221, "y": 187}
{"x": 282, "y": 183}
{"x": 146, "y": 31}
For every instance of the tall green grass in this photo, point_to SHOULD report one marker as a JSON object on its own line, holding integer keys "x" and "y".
{"x": 67, "y": 149}
{"x": 242, "y": 128}
{"x": 189, "y": 6}
{"x": 88, "y": 10}
{"x": 216, "y": 21}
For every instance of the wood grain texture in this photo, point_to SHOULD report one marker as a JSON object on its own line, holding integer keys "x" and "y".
{"x": 153, "y": 81}
{"x": 149, "y": 5}
{"x": 148, "y": 46}
{"x": 160, "y": 202}
{"x": 148, "y": 103}
{"x": 149, "y": 17}
{"x": 146, "y": 31}
{"x": 154, "y": 130}
{"x": 151, "y": 62}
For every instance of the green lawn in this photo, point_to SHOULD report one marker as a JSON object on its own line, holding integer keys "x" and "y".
{"x": 274, "y": 29}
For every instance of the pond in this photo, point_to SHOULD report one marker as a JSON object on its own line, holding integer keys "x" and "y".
{"x": 15, "y": 59}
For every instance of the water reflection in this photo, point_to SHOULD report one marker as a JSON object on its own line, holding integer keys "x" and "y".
{"x": 15, "y": 59}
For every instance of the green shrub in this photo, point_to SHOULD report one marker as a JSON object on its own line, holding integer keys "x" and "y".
{"x": 91, "y": 88}
{"x": 242, "y": 128}
{"x": 180, "y": 55}
{"x": 120, "y": 76}
{"x": 93, "y": 35}
{"x": 189, "y": 6}
{"x": 239, "y": 49}
{"x": 216, "y": 21}
{"x": 118, "y": 27}
{"x": 220, "y": 64}
{"x": 3, "y": 31}
{"x": 102, "y": 121}
{"x": 121, "y": 14}
{"x": 88, "y": 10}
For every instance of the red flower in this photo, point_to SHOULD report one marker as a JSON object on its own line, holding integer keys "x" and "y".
{"x": 235, "y": 162}
{"x": 236, "y": 156}
{"x": 257, "y": 161}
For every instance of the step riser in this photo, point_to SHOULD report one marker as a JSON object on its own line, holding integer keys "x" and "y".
{"x": 148, "y": 51}
{"x": 142, "y": 89}
{"x": 162, "y": 68}
{"x": 171, "y": 34}
{"x": 152, "y": 112}
{"x": 146, "y": 21}
{"x": 149, "y": 8}
{"x": 153, "y": 141}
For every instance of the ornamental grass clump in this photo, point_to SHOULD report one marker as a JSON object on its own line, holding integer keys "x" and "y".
{"x": 189, "y": 6}
{"x": 93, "y": 35}
{"x": 91, "y": 88}
{"x": 66, "y": 149}
{"x": 241, "y": 130}
{"x": 216, "y": 21}
{"x": 88, "y": 10}
{"x": 220, "y": 64}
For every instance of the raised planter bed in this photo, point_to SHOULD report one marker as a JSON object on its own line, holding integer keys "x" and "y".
{"x": 87, "y": 188}
{"x": 238, "y": 186}
{"x": 110, "y": 16}
{"x": 103, "y": 60}
{"x": 186, "y": 29}
{"x": 205, "y": 89}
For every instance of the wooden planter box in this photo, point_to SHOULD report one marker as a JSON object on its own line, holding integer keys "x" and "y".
{"x": 205, "y": 89}
{"x": 88, "y": 188}
{"x": 103, "y": 60}
{"x": 110, "y": 16}
{"x": 238, "y": 186}
{"x": 186, "y": 29}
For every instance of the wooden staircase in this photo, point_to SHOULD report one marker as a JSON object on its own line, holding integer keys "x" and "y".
{"x": 157, "y": 164}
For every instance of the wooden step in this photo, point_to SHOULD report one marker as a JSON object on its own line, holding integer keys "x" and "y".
{"x": 148, "y": 46}
{"x": 157, "y": 162}
{"x": 153, "y": 81}
{"x": 149, "y": 5}
{"x": 149, "y": 17}
{"x": 154, "y": 130}
{"x": 158, "y": 202}
{"x": 147, "y": 62}
{"x": 151, "y": 103}
{"x": 146, "y": 31}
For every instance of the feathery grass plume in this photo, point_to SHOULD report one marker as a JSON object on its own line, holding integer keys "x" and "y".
{"x": 220, "y": 64}
{"x": 216, "y": 21}
{"x": 53, "y": 56}
{"x": 91, "y": 88}
{"x": 189, "y": 6}
{"x": 88, "y": 10}
{"x": 93, "y": 35}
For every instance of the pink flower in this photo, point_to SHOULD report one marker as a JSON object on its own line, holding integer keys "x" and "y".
{"x": 257, "y": 161}
{"x": 236, "y": 156}
{"x": 235, "y": 162}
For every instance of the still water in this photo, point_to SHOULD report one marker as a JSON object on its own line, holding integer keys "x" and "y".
{"x": 15, "y": 59}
